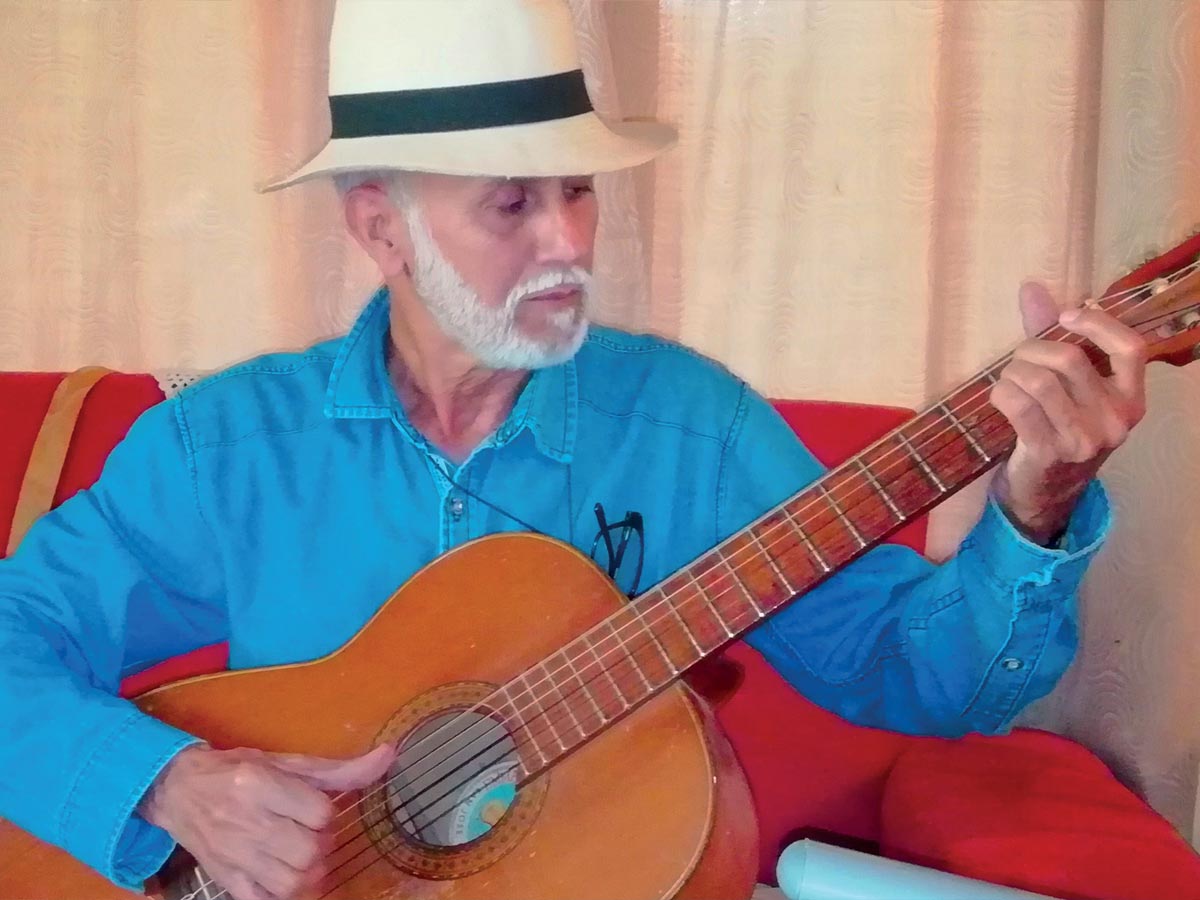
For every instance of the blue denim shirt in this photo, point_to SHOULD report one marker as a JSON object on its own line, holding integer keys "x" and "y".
{"x": 279, "y": 503}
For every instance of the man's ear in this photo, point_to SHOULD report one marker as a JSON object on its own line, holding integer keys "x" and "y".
{"x": 379, "y": 227}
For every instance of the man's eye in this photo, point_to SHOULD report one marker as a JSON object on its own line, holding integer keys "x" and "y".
{"x": 578, "y": 190}
{"x": 512, "y": 201}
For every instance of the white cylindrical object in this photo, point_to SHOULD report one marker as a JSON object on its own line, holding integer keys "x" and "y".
{"x": 810, "y": 870}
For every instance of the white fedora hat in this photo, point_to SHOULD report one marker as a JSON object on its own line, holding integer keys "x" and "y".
{"x": 466, "y": 87}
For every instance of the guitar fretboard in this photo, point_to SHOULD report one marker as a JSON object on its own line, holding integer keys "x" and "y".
{"x": 644, "y": 647}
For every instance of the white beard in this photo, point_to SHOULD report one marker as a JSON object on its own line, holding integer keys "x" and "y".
{"x": 491, "y": 334}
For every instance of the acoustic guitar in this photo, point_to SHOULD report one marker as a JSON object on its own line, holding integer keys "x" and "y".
{"x": 551, "y": 749}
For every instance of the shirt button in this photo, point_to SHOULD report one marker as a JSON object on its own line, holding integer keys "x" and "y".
{"x": 456, "y": 506}
{"x": 1011, "y": 663}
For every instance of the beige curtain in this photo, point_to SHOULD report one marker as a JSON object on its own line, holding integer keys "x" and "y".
{"x": 859, "y": 188}
{"x": 135, "y": 133}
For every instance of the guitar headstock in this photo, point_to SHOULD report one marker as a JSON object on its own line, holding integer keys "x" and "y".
{"x": 1161, "y": 300}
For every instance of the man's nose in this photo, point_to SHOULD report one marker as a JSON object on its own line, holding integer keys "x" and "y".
{"x": 567, "y": 234}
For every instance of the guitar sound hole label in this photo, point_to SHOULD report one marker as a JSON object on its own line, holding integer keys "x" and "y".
{"x": 453, "y": 780}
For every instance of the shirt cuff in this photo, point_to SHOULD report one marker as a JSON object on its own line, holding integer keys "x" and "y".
{"x": 1008, "y": 557}
{"x": 98, "y": 823}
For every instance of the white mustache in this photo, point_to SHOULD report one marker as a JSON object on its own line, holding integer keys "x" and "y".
{"x": 566, "y": 276}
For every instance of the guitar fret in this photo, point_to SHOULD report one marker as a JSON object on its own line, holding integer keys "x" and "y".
{"x": 562, "y": 700}
{"x": 654, "y": 637}
{"x": 965, "y": 432}
{"x": 842, "y": 515}
{"x": 887, "y": 498}
{"x": 537, "y": 701}
{"x": 808, "y": 542}
{"x": 682, "y": 624}
{"x": 520, "y": 720}
{"x": 771, "y": 562}
{"x": 745, "y": 590}
{"x": 708, "y": 602}
{"x": 583, "y": 686}
{"x": 632, "y": 659}
{"x": 205, "y": 883}
{"x": 925, "y": 468}
{"x": 607, "y": 674}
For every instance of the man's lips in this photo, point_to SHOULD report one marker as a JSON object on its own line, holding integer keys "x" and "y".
{"x": 556, "y": 294}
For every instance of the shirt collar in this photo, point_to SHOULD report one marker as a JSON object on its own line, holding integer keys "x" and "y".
{"x": 548, "y": 408}
{"x": 359, "y": 388}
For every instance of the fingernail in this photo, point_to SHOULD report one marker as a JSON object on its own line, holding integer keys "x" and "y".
{"x": 1069, "y": 316}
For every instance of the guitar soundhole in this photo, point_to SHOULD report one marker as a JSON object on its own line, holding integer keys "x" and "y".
{"x": 454, "y": 779}
{"x": 452, "y": 807}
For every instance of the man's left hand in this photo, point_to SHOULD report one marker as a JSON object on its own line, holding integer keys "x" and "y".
{"x": 1067, "y": 416}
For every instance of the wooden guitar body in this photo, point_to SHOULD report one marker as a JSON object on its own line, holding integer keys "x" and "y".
{"x": 654, "y": 806}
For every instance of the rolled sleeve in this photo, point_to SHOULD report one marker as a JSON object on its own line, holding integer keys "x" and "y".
{"x": 1008, "y": 557}
{"x": 98, "y": 823}
{"x": 1041, "y": 583}
{"x": 893, "y": 641}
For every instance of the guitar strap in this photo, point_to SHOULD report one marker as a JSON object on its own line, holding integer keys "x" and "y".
{"x": 44, "y": 470}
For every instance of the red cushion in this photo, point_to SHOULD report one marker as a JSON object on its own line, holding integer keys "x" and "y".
{"x": 810, "y": 771}
{"x": 202, "y": 661}
{"x": 1035, "y": 811}
{"x": 110, "y": 408}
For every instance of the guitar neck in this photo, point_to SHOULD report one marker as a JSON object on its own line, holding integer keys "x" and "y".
{"x": 648, "y": 644}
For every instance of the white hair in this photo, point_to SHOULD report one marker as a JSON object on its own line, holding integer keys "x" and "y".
{"x": 489, "y": 333}
{"x": 394, "y": 180}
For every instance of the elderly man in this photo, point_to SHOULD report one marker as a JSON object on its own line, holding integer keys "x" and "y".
{"x": 277, "y": 504}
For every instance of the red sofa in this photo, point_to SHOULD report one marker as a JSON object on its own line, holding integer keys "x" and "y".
{"x": 1030, "y": 809}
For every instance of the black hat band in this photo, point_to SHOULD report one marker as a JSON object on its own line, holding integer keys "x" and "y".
{"x": 462, "y": 108}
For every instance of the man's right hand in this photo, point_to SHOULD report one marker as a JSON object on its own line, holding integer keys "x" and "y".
{"x": 253, "y": 820}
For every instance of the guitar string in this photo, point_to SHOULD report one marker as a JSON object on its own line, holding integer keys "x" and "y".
{"x": 725, "y": 578}
{"x": 828, "y": 476}
{"x": 742, "y": 617}
{"x": 1132, "y": 290}
{"x": 575, "y": 692}
{"x": 534, "y": 694}
{"x": 583, "y": 683}
{"x": 368, "y": 845}
{"x": 1163, "y": 317}
{"x": 744, "y": 612}
{"x": 342, "y": 846}
{"x": 834, "y": 522}
{"x": 582, "y": 686}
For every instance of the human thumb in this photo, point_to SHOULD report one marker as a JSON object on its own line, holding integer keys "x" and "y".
{"x": 338, "y": 774}
{"x": 1038, "y": 309}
